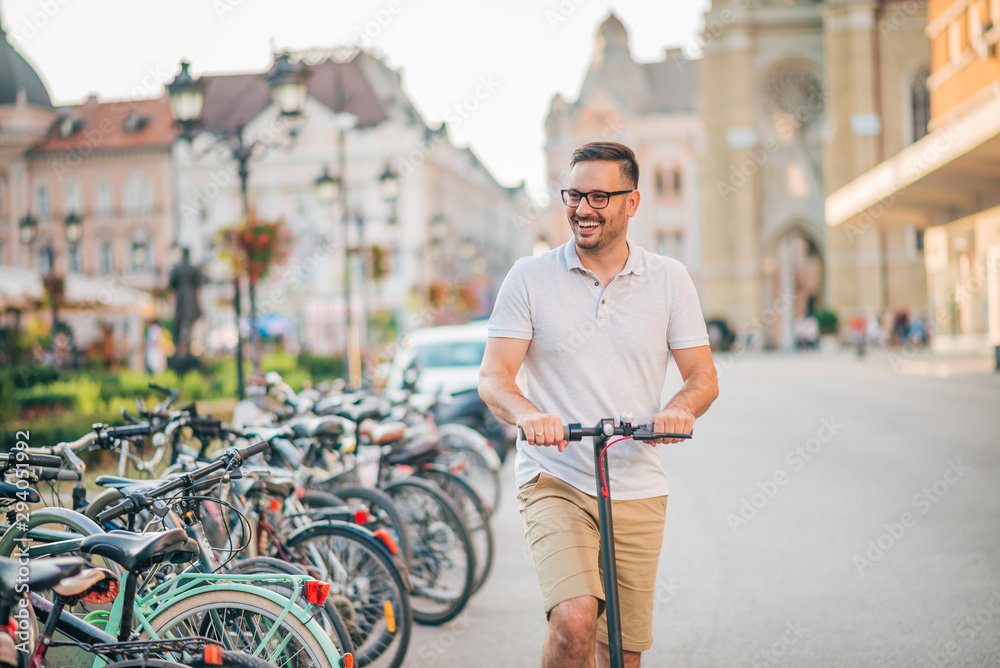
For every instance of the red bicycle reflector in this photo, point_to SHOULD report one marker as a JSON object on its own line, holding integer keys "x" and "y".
{"x": 275, "y": 505}
{"x": 317, "y": 591}
{"x": 347, "y": 661}
{"x": 212, "y": 655}
{"x": 384, "y": 536}
{"x": 362, "y": 516}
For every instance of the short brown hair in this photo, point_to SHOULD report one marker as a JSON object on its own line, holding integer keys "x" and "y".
{"x": 609, "y": 151}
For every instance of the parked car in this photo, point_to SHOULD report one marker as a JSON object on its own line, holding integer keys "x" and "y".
{"x": 444, "y": 361}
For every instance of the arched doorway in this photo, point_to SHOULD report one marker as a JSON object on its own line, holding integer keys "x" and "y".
{"x": 793, "y": 274}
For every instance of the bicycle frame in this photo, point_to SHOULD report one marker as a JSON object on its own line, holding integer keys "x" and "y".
{"x": 161, "y": 597}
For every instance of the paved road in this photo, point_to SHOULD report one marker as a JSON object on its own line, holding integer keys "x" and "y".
{"x": 831, "y": 512}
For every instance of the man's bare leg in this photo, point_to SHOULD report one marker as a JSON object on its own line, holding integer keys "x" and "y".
{"x": 570, "y": 639}
{"x": 632, "y": 659}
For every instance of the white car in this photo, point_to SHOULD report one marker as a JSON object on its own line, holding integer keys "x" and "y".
{"x": 446, "y": 359}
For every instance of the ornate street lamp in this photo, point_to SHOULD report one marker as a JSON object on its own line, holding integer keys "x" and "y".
{"x": 389, "y": 183}
{"x": 187, "y": 99}
{"x": 138, "y": 255}
{"x": 327, "y": 187}
{"x": 74, "y": 228}
{"x": 289, "y": 90}
{"x": 28, "y": 229}
{"x": 289, "y": 86}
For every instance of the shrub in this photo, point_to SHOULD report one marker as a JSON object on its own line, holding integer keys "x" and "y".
{"x": 827, "y": 320}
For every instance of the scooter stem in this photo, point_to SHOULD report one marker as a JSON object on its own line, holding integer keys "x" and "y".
{"x": 608, "y": 562}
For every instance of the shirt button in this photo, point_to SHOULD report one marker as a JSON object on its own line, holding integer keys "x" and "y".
{"x": 597, "y": 282}
{"x": 602, "y": 301}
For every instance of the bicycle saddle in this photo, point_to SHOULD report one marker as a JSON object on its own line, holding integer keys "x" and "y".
{"x": 126, "y": 484}
{"x": 382, "y": 433}
{"x": 414, "y": 453}
{"x": 316, "y": 427}
{"x": 38, "y": 573}
{"x": 27, "y": 494}
{"x": 134, "y": 551}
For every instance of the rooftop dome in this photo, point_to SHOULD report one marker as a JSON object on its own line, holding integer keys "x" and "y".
{"x": 16, "y": 74}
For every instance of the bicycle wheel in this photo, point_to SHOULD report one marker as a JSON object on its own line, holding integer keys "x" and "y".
{"x": 462, "y": 453}
{"x": 384, "y": 513}
{"x": 365, "y": 585}
{"x": 239, "y": 621}
{"x": 443, "y": 567}
{"x": 475, "y": 514}
{"x": 328, "y": 616}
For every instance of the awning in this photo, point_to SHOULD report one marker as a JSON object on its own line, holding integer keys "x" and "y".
{"x": 22, "y": 289}
{"x": 951, "y": 173}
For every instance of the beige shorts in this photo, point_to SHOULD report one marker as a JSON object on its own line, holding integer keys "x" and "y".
{"x": 561, "y": 527}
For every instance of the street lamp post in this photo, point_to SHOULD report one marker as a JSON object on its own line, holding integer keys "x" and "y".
{"x": 54, "y": 283}
{"x": 289, "y": 89}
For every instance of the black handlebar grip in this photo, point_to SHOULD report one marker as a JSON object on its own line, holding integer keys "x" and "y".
{"x": 53, "y": 474}
{"x": 566, "y": 434}
{"x": 129, "y": 505}
{"x": 161, "y": 388}
{"x": 254, "y": 449}
{"x": 31, "y": 459}
{"x": 129, "y": 430}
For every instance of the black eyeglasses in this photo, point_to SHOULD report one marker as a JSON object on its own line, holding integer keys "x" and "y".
{"x": 597, "y": 199}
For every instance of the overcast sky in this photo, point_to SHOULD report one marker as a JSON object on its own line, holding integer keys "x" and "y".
{"x": 527, "y": 49}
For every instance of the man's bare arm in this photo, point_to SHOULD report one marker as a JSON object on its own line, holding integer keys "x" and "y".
{"x": 700, "y": 389}
{"x": 498, "y": 389}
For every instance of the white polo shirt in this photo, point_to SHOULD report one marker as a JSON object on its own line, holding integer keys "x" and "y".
{"x": 596, "y": 352}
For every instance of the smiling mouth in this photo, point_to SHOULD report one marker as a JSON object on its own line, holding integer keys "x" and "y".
{"x": 587, "y": 224}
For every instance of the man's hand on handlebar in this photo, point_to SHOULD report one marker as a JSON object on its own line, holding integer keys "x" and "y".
{"x": 543, "y": 429}
{"x": 672, "y": 421}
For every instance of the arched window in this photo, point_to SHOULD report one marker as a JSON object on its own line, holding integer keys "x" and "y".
{"x": 920, "y": 102}
{"x": 104, "y": 196}
{"x": 133, "y": 193}
{"x": 73, "y": 204}
{"x": 42, "y": 201}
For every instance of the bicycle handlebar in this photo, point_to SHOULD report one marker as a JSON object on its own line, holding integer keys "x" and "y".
{"x": 133, "y": 502}
{"x": 642, "y": 432}
{"x": 32, "y": 459}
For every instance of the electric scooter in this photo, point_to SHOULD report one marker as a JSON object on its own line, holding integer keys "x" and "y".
{"x": 602, "y": 433}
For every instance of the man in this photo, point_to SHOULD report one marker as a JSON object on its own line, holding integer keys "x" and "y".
{"x": 594, "y": 322}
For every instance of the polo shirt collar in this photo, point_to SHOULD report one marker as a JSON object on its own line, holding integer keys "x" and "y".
{"x": 635, "y": 263}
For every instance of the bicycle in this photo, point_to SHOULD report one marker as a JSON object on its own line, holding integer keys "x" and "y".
{"x": 601, "y": 433}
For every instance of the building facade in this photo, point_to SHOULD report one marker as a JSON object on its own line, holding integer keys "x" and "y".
{"x": 799, "y": 96}
{"x": 99, "y": 170}
{"x": 653, "y": 109}
{"x": 947, "y": 184}
{"x": 442, "y": 246}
